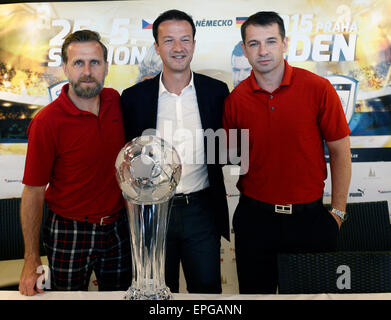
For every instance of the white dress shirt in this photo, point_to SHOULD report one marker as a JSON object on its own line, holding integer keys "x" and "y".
{"x": 179, "y": 123}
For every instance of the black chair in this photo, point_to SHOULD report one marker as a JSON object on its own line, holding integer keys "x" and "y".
{"x": 334, "y": 272}
{"x": 364, "y": 247}
{"x": 367, "y": 227}
{"x": 11, "y": 237}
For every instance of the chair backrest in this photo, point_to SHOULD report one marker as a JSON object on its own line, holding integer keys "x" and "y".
{"x": 11, "y": 237}
{"x": 367, "y": 227}
{"x": 334, "y": 272}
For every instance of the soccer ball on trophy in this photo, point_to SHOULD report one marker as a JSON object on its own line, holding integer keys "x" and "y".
{"x": 148, "y": 170}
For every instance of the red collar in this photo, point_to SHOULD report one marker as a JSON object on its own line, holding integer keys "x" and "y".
{"x": 286, "y": 79}
{"x": 69, "y": 107}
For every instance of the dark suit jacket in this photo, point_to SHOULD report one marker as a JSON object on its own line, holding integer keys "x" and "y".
{"x": 140, "y": 104}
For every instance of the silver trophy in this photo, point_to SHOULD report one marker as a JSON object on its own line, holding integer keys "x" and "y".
{"x": 148, "y": 171}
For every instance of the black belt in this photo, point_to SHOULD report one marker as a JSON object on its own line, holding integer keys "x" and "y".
{"x": 282, "y": 208}
{"x": 103, "y": 220}
{"x": 185, "y": 199}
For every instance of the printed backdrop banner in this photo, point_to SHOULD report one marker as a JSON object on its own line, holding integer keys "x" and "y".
{"x": 347, "y": 43}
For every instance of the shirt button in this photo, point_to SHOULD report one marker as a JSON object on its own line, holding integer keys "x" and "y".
{"x": 272, "y": 108}
{"x": 271, "y": 97}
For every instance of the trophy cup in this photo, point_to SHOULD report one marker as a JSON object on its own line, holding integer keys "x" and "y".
{"x": 148, "y": 171}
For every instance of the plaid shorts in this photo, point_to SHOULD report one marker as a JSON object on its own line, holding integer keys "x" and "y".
{"x": 75, "y": 249}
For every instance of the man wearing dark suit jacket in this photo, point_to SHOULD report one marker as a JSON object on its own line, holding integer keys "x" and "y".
{"x": 181, "y": 105}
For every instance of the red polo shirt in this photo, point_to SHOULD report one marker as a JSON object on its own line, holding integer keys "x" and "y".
{"x": 74, "y": 151}
{"x": 286, "y": 128}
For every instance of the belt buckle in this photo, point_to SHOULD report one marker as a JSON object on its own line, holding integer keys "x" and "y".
{"x": 102, "y": 220}
{"x": 183, "y": 196}
{"x": 283, "y": 208}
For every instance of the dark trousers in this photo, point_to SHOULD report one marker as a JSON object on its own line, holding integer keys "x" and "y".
{"x": 193, "y": 240}
{"x": 260, "y": 234}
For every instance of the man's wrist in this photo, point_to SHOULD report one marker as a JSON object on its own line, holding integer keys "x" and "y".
{"x": 339, "y": 213}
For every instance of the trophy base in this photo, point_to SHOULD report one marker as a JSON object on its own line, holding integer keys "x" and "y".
{"x": 137, "y": 294}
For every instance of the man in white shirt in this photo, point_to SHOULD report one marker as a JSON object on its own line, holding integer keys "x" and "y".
{"x": 181, "y": 105}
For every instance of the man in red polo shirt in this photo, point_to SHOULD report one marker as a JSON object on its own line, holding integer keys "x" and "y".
{"x": 289, "y": 112}
{"x": 72, "y": 146}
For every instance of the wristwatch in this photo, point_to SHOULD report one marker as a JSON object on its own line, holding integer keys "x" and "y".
{"x": 340, "y": 214}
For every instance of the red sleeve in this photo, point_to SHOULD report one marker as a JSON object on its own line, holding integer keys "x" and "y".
{"x": 232, "y": 130}
{"x": 228, "y": 122}
{"x": 40, "y": 153}
{"x": 332, "y": 119}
